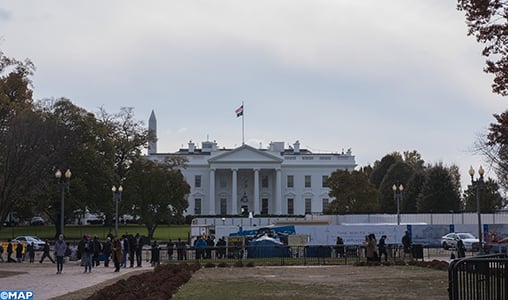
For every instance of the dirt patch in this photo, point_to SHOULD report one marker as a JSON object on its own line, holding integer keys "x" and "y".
{"x": 4, "y": 273}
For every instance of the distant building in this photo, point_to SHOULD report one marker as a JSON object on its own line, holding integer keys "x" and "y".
{"x": 243, "y": 180}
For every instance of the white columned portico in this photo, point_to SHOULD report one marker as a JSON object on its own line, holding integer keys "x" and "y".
{"x": 278, "y": 191}
{"x": 234, "y": 192}
{"x": 211, "y": 203}
{"x": 256, "y": 192}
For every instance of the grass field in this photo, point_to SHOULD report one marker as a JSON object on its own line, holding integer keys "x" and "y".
{"x": 317, "y": 282}
{"x": 75, "y": 232}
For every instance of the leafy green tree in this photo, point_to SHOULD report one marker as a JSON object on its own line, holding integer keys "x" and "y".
{"x": 490, "y": 198}
{"x": 156, "y": 192}
{"x": 381, "y": 168}
{"x": 127, "y": 138}
{"x": 413, "y": 192}
{"x": 439, "y": 192}
{"x": 399, "y": 173}
{"x": 80, "y": 143}
{"x": 494, "y": 146}
{"x": 16, "y": 139}
{"x": 352, "y": 192}
{"x": 487, "y": 22}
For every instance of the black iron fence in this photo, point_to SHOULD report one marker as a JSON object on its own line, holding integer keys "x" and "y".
{"x": 479, "y": 277}
{"x": 279, "y": 255}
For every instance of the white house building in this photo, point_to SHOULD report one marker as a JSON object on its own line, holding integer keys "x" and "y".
{"x": 272, "y": 181}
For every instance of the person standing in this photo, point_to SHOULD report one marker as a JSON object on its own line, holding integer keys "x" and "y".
{"x": 1, "y": 253}
{"x": 31, "y": 252}
{"x": 171, "y": 245}
{"x": 339, "y": 247}
{"x": 60, "y": 248}
{"x": 116, "y": 253}
{"x": 97, "y": 248}
{"x": 45, "y": 252}
{"x": 155, "y": 261}
{"x": 139, "y": 249}
{"x": 382, "y": 248}
{"x": 125, "y": 250}
{"x": 406, "y": 244}
{"x": 371, "y": 248}
{"x": 88, "y": 254}
{"x": 19, "y": 252}
{"x": 200, "y": 246}
{"x": 106, "y": 251}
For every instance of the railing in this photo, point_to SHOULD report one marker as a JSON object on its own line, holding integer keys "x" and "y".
{"x": 273, "y": 255}
{"x": 479, "y": 277}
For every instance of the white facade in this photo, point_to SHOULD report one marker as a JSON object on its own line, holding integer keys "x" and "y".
{"x": 273, "y": 181}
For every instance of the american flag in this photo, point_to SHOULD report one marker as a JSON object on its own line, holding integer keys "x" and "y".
{"x": 239, "y": 111}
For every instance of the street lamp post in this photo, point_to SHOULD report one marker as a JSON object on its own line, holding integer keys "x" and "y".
{"x": 117, "y": 196}
{"x": 477, "y": 185}
{"x": 397, "y": 196}
{"x": 63, "y": 184}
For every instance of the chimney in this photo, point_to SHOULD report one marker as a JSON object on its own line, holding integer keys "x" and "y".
{"x": 191, "y": 147}
{"x": 296, "y": 147}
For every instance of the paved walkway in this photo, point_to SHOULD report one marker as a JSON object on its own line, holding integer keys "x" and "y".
{"x": 45, "y": 283}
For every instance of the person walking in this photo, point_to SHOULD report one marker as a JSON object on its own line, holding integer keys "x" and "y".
{"x": 10, "y": 250}
{"x": 45, "y": 253}
{"x": 60, "y": 248}
{"x": 116, "y": 253}
{"x": 19, "y": 252}
{"x": 88, "y": 254}
{"x": 1, "y": 253}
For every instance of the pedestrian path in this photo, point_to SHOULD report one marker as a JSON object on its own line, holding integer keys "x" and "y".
{"x": 42, "y": 280}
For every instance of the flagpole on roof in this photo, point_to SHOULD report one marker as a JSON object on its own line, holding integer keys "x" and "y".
{"x": 239, "y": 112}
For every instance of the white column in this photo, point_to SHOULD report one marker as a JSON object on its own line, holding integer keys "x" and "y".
{"x": 211, "y": 203}
{"x": 234, "y": 192}
{"x": 256, "y": 191}
{"x": 278, "y": 191}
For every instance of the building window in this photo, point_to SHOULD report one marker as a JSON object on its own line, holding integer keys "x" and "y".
{"x": 264, "y": 181}
{"x": 223, "y": 182}
{"x": 325, "y": 204}
{"x": 291, "y": 206}
{"x": 223, "y": 206}
{"x": 325, "y": 179}
{"x": 308, "y": 205}
{"x": 197, "y": 181}
{"x": 264, "y": 206}
{"x": 197, "y": 206}
{"x": 291, "y": 181}
{"x": 308, "y": 183}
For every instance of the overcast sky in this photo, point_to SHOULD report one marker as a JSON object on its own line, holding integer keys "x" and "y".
{"x": 373, "y": 76}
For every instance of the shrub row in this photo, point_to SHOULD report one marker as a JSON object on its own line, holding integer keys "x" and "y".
{"x": 162, "y": 283}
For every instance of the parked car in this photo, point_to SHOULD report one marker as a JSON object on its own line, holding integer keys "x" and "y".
{"x": 470, "y": 241}
{"x": 28, "y": 239}
{"x": 37, "y": 221}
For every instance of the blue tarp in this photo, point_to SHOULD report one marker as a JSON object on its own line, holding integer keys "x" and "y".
{"x": 266, "y": 247}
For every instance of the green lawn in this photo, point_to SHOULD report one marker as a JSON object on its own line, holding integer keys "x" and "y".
{"x": 75, "y": 232}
